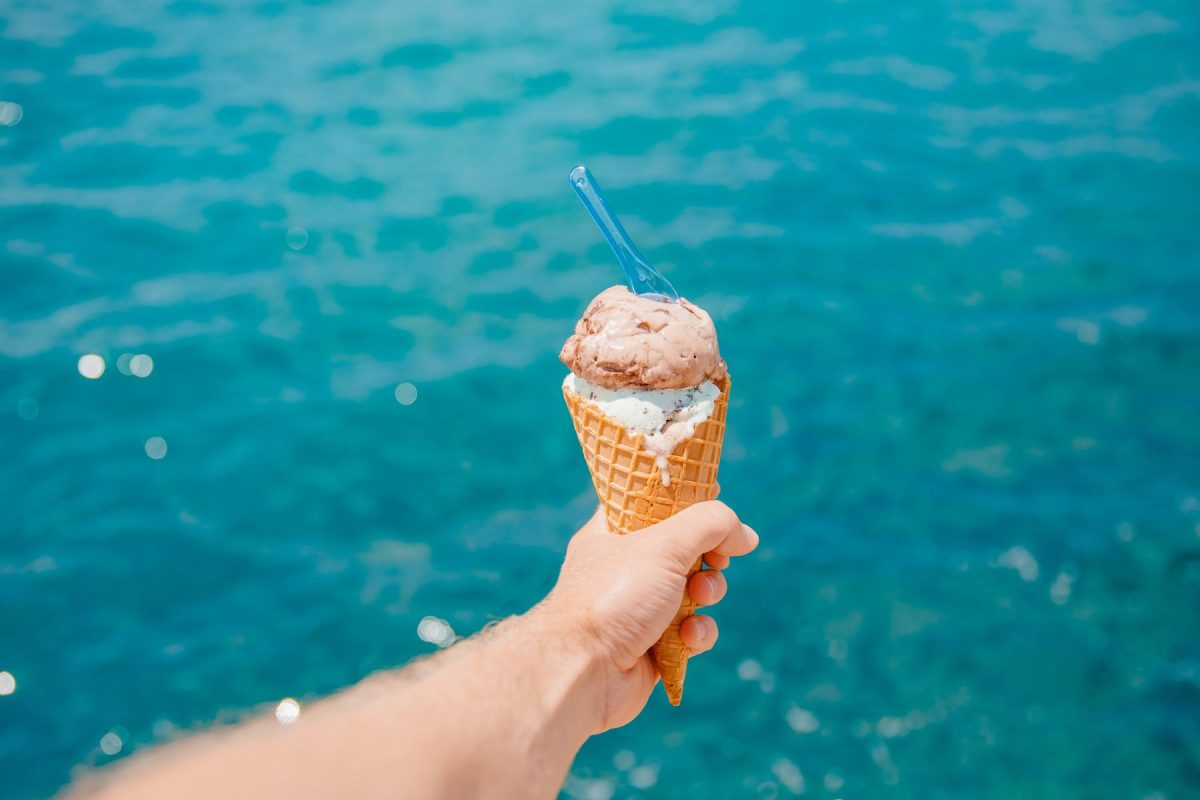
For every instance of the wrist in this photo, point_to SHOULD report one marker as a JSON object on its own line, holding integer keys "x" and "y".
{"x": 575, "y": 669}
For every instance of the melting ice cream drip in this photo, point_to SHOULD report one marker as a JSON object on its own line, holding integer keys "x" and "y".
{"x": 664, "y": 417}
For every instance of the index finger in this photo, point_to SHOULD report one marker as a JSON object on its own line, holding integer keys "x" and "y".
{"x": 706, "y": 527}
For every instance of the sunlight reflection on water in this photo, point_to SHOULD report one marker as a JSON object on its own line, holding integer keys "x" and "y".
{"x": 950, "y": 254}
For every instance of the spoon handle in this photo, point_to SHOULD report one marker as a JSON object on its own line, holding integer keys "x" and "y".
{"x": 643, "y": 278}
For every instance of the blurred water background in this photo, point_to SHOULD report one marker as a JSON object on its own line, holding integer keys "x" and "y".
{"x": 952, "y": 253}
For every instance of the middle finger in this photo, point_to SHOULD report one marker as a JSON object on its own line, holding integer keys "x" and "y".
{"x": 707, "y": 587}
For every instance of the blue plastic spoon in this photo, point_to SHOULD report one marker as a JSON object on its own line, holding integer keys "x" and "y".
{"x": 644, "y": 279}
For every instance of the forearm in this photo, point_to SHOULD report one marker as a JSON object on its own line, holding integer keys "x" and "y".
{"x": 499, "y": 715}
{"x": 509, "y": 707}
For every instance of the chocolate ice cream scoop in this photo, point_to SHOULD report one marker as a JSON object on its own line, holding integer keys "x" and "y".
{"x": 628, "y": 341}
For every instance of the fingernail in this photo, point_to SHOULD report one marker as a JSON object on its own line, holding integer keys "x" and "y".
{"x": 753, "y": 535}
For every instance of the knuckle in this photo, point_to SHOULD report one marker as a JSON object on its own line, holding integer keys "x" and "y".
{"x": 720, "y": 513}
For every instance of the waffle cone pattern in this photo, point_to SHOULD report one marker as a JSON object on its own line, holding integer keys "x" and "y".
{"x": 630, "y": 487}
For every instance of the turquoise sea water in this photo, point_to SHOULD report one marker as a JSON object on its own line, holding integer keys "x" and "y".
{"x": 952, "y": 251}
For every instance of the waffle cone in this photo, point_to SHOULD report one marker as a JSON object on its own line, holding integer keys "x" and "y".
{"x": 630, "y": 488}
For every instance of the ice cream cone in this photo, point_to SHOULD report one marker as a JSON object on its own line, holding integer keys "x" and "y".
{"x": 630, "y": 486}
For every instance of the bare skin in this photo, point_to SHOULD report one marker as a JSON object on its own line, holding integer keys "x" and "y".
{"x": 501, "y": 714}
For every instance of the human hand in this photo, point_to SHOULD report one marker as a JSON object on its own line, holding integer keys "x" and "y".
{"x": 621, "y": 592}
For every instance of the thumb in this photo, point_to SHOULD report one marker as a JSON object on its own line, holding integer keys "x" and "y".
{"x": 710, "y": 526}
